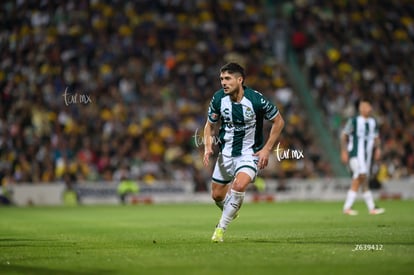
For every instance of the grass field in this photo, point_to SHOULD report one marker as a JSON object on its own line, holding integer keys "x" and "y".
{"x": 268, "y": 238}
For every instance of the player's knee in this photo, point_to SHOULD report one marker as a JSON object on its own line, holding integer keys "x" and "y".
{"x": 241, "y": 182}
{"x": 239, "y": 186}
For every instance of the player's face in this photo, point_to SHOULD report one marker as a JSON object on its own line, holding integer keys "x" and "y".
{"x": 231, "y": 83}
{"x": 365, "y": 108}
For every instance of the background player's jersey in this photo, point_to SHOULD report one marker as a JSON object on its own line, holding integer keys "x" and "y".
{"x": 362, "y": 133}
{"x": 241, "y": 130}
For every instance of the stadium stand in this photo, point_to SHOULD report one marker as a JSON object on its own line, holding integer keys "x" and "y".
{"x": 99, "y": 89}
{"x": 354, "y": 48}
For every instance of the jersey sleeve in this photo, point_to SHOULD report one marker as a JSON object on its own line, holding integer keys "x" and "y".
{"x": 348, "y": 129}
{"x": 269, "y": 109}
{"x": 214, "y": 110}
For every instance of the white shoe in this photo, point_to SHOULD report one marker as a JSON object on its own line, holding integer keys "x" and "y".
{"x": 377, "y": 211}
{"x": 350, "y": 212}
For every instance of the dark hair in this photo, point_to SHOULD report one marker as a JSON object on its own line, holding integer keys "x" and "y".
{"x": 233, "y": 67}
{"x": 364, "y": 98}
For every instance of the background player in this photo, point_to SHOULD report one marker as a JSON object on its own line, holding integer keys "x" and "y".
{"x": 360, "y": 139}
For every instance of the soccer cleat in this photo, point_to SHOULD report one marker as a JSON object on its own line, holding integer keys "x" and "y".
{"x": 236, "y": 215}
{"x": 377, "y": 211}
{"x": 350, "y": 212}
{"x": 218, "y": 235}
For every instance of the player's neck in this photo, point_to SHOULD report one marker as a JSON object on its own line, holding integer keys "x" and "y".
{"x": 237, "y": 96}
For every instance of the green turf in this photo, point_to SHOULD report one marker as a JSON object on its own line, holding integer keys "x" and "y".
{"x": 268, "y": 238}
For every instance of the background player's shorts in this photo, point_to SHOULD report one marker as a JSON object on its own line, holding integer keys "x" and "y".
{"x": 359, "y": 167}
{"x": 227, "y": 167}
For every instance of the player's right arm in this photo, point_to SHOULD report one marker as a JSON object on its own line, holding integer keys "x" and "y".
{"x": 212, "y": 118}
{"x": 344, "y": 150}
{"x": 208, "y": 144}
{"x": 344, "y": 141}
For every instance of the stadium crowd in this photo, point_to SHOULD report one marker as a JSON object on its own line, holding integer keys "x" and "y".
{"x": 101, "y": 90}
{"x": 350, "y": 48}
{"x": 108, "y": 89}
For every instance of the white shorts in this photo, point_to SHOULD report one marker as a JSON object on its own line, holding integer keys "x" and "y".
{"x": 228, "y": 167}
{"x": 359, "y": 167}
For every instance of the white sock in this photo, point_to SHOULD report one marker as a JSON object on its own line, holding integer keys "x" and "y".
{"x": 350, "y": 198}
{"x": 231, "y": 206}
{"x": 369, "y": 200}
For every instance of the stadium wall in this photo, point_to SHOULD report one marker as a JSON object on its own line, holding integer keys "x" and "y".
{"x": 182, "y": 192}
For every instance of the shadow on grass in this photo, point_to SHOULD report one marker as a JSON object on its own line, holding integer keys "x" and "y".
{"x": 15, "y": 242}
{"x": 20, "y": 269}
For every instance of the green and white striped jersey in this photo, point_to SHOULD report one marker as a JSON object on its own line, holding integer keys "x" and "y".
{"x": 241, "y": 130}
{"x": 362, "y": 133}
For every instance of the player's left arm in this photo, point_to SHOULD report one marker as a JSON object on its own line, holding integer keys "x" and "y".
{"x": 377, "y": 143}
{"x": 264, "y": 153}
{"x": 377, "y": 148}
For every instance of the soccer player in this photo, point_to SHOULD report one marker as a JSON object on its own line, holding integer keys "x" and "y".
{"x": 241, "y": 111}
{"x": 360, "y": 143}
